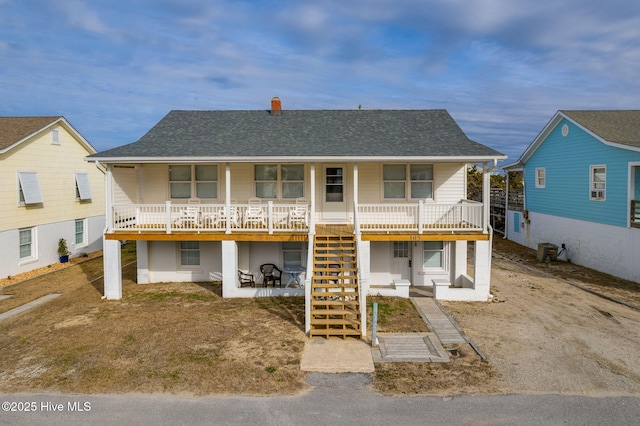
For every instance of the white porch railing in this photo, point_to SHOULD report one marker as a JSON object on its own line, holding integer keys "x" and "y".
{"x": 271, "y": 217}
{"x": 463, "y": 216}
{"x": 264, "y": 217}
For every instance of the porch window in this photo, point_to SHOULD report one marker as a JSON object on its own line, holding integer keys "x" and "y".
{"x": 292, "y": 254}
{"x": 598, "y": 183}
{"x": 81, "y": 234}
{"x": 541, "y": 177}
{"x": 189, "y": 253}
{"x": 413, "y": 181}
{"x": 285, "y": 181}
{"x": 193, "y": 181}
{"x": 433, "y": 255}
{"x": 27, "y": 244}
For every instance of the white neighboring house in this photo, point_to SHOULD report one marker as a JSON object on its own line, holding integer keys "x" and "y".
{"x": 48, "y": 192}
{"x": 352, "y": 202}
{"x": 582, "y": 190}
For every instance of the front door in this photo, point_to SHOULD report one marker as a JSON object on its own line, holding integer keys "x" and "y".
{"x": 401, "y": 260}
{"x": 334, "y": 194}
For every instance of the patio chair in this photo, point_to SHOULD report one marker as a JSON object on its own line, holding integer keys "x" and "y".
{"x": 246, "y": 278}
{"x": 255, "y": 214}
{"x": 271, "y": 274}
{"x": 219, "y": 218}
{"x": 298, "y": 215}
{"x": 189, "y": 217}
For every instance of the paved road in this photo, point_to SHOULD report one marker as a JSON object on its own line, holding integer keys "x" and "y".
{"x": 335, "y": 400}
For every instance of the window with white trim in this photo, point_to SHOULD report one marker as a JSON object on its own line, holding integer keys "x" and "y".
{"x": 193, "y": 181}
{"x": 293, "y": 254}
{"x": 27, "y": 244}
{"x": 83, "y": 188}
{"x": 598, "y": 182}
{"x": 412, "y": 181}
{"x": 541, "y": 177}
{"x": 283, "y": 181}
{"x": 189, "y": 253}
{"x": 81, "y": 233}
{"x": 29, "y": 191}
{"x": 433, "y": 255}
{"x": 55, "y": 137}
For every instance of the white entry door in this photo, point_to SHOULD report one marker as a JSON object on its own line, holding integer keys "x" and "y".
{"x": 401, "y": 260}
{"x": 334, "y": 194}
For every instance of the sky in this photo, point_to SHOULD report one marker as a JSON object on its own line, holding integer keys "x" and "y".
{"x": 502, "y": 68}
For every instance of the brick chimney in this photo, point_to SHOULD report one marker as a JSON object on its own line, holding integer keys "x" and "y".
{"x": 276, "y": 106}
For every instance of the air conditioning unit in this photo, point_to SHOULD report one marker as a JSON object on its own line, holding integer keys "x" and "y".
{"x": 598, "y": 194}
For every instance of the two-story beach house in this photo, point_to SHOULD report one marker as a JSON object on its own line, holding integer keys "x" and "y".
{"x": 48, "y": 192}
{"x": 582, "y": 190}
{"x": 326, "y": 204}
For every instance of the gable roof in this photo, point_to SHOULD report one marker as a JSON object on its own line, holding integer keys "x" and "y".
{"x": 257, "y": 135}
{"x": 613, "y": 126}
{"x": 619, "y": 128}
{"x": 15, "y": 130}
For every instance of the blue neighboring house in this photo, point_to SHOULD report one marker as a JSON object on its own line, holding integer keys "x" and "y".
{"x": 582, "y": 190}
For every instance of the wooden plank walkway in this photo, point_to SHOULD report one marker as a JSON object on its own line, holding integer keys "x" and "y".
{"x": 409, "y": 347}
{"x": 437, "y": 321}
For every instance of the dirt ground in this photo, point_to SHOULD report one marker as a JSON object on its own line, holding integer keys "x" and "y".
{"x": 541, "y": 334}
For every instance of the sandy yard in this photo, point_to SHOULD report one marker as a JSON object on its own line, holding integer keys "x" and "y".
{"x": 541, "y": 334}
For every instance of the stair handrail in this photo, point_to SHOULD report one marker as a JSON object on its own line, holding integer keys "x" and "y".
{"x": 362, "y": 293}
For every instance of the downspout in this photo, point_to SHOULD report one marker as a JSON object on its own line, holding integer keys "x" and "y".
{"x": 310, "y": 246}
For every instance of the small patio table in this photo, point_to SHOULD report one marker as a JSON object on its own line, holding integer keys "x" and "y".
{"x": 294, "y": 275}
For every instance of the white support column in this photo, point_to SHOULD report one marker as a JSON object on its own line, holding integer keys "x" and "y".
{"x": 229, "y": 268}
{"x": 142, "y": 258}
{"x": 482, "y": 269}
{"x": 112, "y": 269}
{"x": 312, "y": 196}
{"x": 227, "y": 195}
{"x": 460, "y": 261}
{"x": 486, "y": 195}
{"x": 108, "y": 198}
{"x": 356, "y": 219}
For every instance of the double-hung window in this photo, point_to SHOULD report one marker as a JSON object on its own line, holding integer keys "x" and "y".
{"x": 27, "y": 244}
{"x": 433, "y": 255}
{"x": 81, "y": 232}
{"x": 541, "y": 177}
{"x": 598, "y": 182}
{"x": 193, "y": 181}
{"x": 189, "y": 254}
{"x": 284, "y": 181}
{"x": 412, "y": 181}
{"x": 292, "y": 254}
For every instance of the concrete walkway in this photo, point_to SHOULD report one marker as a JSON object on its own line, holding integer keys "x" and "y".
{"x": 27, "y": 306}
{"x": 336, "y": 355}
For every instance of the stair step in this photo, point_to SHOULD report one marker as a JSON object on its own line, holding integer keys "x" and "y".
{"x": 336, "y": 312}
{"x": 334, "y": 321}
{"x": 316, "y": 302}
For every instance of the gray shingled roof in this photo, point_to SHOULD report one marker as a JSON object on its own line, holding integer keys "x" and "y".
{"x": 14, "y": 129}
{"x": 617, "y": 126}
{"x": 303, "y": 133}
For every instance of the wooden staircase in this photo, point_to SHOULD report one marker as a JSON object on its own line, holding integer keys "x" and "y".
{"x": 335, "y": 298}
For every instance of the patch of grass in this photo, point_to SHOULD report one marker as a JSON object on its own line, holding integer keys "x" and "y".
{"x": 396, "y": 315}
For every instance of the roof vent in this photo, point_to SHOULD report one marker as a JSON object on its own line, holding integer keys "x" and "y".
{"x": 276, "y": 106}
